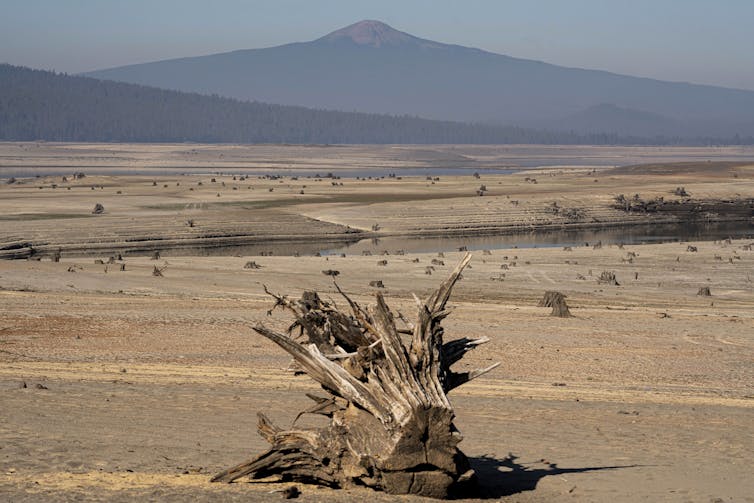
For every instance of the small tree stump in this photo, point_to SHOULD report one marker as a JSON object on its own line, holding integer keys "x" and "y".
{"x": 391, "y": 424}
{"x": 608, "y": 277}
{"x": 556, "y": 301}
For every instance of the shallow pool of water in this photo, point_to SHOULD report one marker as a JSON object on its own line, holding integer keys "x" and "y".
{"x": 630, "y": 235}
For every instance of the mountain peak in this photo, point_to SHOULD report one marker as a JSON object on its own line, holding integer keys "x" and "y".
{"x": 371, "y": 33}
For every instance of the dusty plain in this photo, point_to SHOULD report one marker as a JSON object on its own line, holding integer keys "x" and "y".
{"x": 139, "y": 387}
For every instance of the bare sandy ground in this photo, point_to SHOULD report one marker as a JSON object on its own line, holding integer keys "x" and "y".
{"x": 166, "y": 211}
{"x": 151, "y": 384}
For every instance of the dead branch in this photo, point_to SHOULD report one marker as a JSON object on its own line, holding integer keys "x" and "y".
{"x": 391, "y": 424}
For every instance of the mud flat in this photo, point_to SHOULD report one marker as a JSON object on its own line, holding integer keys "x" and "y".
{"x": 46, "y": 214}
{"x": 141, "y": 387}
{"x": 148, "y": 378}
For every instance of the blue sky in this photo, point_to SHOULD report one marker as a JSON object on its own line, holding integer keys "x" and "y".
{"x": 697, "y": 41}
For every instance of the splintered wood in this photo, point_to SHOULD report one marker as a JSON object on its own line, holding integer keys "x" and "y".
{"x": 391, "y": 424}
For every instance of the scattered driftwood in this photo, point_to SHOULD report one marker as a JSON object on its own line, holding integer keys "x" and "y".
{"x": 330, "y": 272}
{"x": 391, "y": 424}
{"x": 435, "y": 261}
{"x": 704, "y": 291}
{"x": 608, "y": 277}
{"x": 556, "y": 301}
{"x": 251, "y": 265}
{"x": 98, "y": 209}
{"x": 157, "y": 271}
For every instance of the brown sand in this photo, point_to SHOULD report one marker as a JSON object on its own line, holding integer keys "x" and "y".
{"x": 153, "y": 383}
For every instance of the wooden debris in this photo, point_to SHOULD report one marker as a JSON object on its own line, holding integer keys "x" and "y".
{"x": 391, "y": 424}
{"x": 251, "y": 264}
{"x": 704, "y": 291}
{"x": 608, "y": 277}
{"x": 556, "y": 301}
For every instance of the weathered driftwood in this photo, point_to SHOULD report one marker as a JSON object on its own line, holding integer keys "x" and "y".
{"x": 556, "y": 301}
{"x": 391, "y": 424}
{"x": 608, "y": 277}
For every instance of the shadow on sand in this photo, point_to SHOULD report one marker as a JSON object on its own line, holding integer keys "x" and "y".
{"x": 507, "y": 476}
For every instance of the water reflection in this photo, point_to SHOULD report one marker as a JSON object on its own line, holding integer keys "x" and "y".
{"x": 631, "y": 235}
{"x": 547, "y": 239}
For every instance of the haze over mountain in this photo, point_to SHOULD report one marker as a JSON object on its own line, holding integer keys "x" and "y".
{"x": 372, "y": 67}
{"x": 41, "y": 105}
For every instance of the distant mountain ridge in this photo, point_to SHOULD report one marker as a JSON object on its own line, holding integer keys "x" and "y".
{"x": 371, "y": 67}
{"x": 41, "y": 105}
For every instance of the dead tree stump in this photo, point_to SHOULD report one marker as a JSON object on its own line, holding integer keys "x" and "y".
{"x": 608, "y": 277}
{"x": 391, "y": 424}
{"x": 556, "y": 301}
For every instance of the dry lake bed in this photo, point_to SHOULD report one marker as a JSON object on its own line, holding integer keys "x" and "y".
{"x": 116, "y": 384}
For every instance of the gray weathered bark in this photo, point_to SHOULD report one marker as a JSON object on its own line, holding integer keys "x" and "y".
{"x": 391, "y": 424}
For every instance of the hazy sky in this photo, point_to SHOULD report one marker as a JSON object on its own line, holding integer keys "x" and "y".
{"x": 710, "y": 41}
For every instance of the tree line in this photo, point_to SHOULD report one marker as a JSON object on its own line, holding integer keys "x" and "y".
{"x": 45, "y": 105}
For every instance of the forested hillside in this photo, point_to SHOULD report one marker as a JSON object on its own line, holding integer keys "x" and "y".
{"x": 42, "y": 105}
